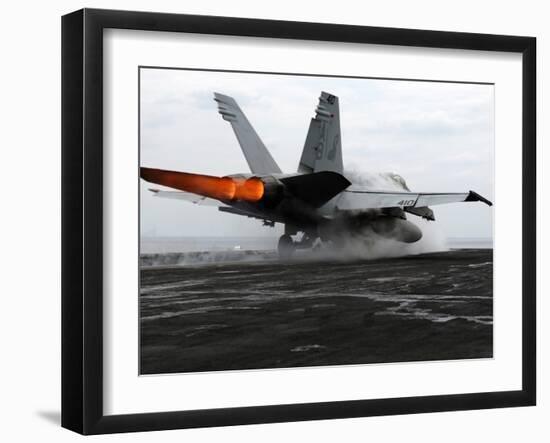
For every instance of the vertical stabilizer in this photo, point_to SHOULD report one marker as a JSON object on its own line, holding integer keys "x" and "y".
{"x": 323, "y": 146}
{"x": 258, "y": 157}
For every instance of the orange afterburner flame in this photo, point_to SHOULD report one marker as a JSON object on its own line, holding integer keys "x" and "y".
{"x": 250, "y": 190}
{"x": 220, "y": 188}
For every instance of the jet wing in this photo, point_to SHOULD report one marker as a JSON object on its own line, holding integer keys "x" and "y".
{"x": 351, "y": 199}
{"x": 187, "y": 196}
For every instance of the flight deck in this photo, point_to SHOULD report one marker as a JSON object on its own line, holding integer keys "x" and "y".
{"x": 249, "y": 310}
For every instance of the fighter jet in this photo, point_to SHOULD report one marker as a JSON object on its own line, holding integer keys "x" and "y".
{"x": 318, "y": 201}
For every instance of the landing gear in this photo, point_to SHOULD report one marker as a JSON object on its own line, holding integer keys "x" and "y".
{"x": 286, "y": 247}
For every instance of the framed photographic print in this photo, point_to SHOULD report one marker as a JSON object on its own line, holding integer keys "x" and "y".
{"x": 269, "y": 221}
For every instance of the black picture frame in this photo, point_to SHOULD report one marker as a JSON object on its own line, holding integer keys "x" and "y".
{"x": 82, "y": 218}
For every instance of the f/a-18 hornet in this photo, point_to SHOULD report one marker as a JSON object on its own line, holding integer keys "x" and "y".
{"x": 317, "y": 201}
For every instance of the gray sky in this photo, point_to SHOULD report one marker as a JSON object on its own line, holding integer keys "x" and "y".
{"x": 438, "y": 136}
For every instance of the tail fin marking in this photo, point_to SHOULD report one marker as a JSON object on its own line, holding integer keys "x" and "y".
{"x": 323, "y": 146}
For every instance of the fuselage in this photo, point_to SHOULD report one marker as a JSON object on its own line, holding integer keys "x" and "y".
{"x": 279, "y": 204}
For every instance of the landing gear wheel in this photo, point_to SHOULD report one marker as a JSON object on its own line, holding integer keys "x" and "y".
{"x": 285, "y": 247}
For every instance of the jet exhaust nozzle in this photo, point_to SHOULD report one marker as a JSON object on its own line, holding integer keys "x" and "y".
{"x": 220, "y": 188}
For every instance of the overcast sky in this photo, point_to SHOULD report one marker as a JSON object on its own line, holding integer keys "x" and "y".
{"x": 438, "y": 136}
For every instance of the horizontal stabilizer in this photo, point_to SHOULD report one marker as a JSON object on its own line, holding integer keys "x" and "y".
{"x": 316, "y": 188}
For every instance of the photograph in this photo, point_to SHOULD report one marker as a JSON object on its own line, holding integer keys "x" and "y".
{"x": 292, "y": 220}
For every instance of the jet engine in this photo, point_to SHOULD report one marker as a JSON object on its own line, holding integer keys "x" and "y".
{"x": 313, "y": 189}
